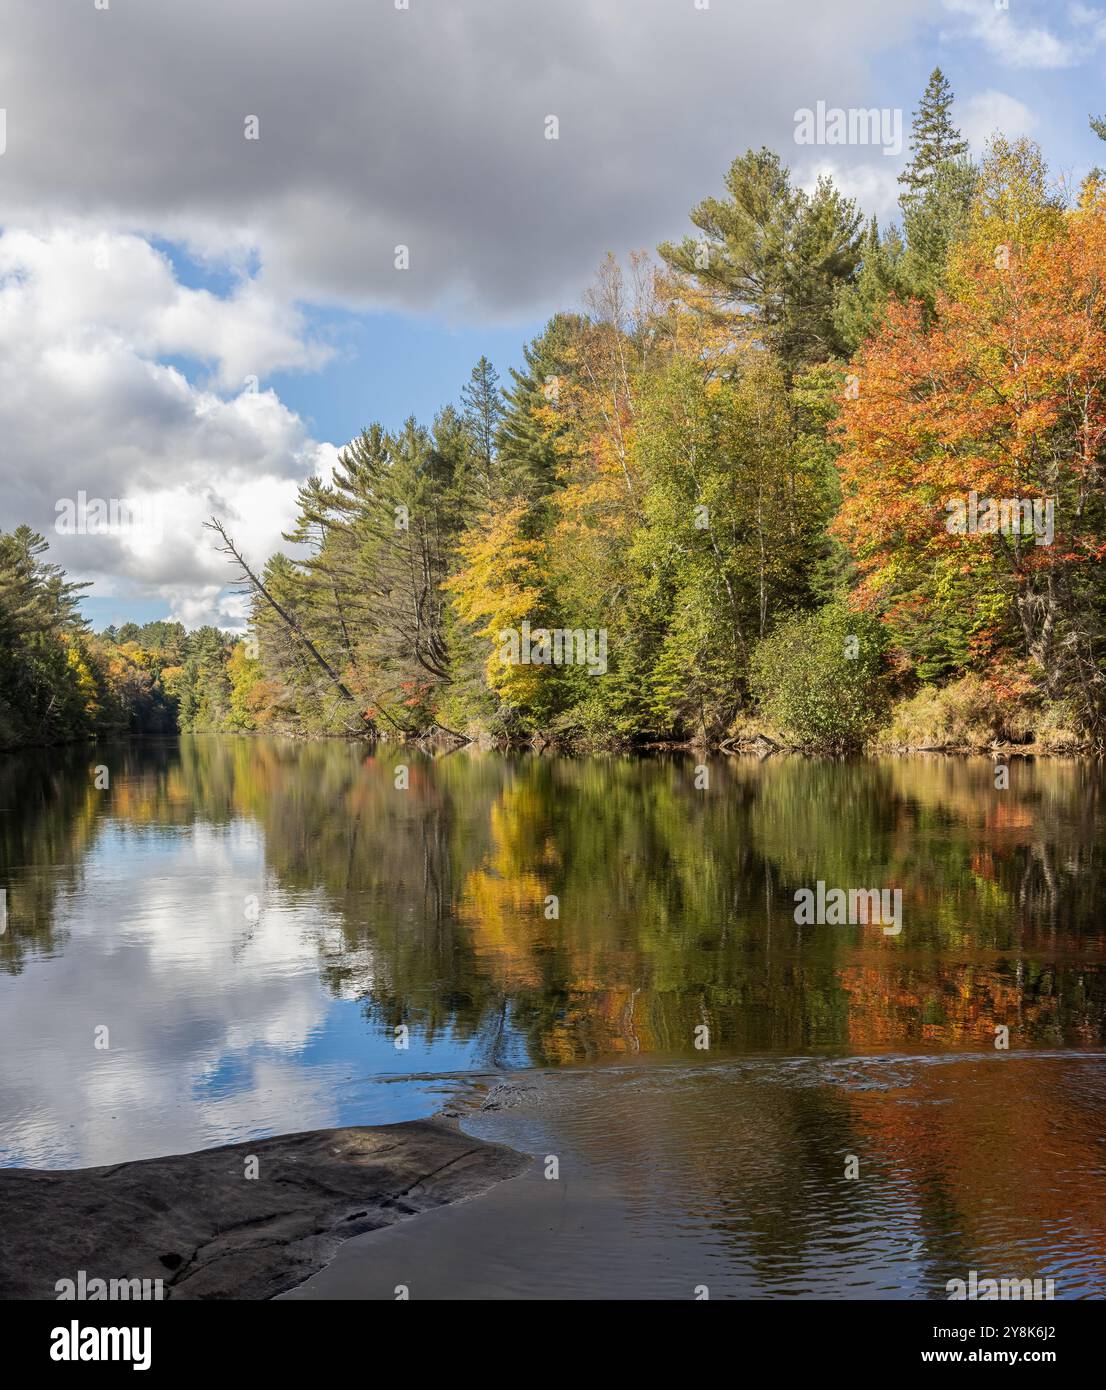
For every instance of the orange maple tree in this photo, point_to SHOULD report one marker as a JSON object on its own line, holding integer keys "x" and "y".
{"x": 1002, "y": 395}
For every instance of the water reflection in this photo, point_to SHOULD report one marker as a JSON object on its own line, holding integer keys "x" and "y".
{"x": 431, "y": 908}
{"x": 733, "y": 1175}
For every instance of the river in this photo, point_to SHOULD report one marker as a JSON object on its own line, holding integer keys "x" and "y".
{"x": 598, "y": 961}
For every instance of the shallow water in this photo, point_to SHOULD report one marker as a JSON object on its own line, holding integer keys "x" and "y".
{"x": 730, "y": 1179}
{"x": 223, "y": 943}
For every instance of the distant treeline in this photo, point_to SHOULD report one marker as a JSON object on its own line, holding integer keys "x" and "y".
{"x": 61, "y": 682}
{"x": 803, "y": 476}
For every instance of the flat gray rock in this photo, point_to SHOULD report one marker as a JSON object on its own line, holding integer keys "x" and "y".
{"x": 198, "y": 1223}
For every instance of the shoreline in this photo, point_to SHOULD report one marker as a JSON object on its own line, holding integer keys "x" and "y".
{"x": 243, "y": 1221}
{"x": 759, "y": 746}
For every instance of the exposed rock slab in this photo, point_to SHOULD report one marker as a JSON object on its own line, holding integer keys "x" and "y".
{"x": 198, "y": 1223}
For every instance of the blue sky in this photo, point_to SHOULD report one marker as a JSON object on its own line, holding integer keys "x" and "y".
{"x": 391, "y": 366}
{"x": 386, "y": 366}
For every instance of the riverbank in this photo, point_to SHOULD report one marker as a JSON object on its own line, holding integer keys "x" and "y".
{"x": 965, "y": 717}
{"x": 760, "y": 745}
{"x": 243, "y": 1221}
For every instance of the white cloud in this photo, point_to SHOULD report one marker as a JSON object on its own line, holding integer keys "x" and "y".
{"x": 1090, "y": 24}
{"x": 87, "y": 405}
{"x": 980, "y": 116}
{"x": 874, "y": 186}
{"x": 122, "y": 285}
{"x": 1014, "y": 41}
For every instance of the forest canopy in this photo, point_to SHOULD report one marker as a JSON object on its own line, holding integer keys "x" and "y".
{"x": 799, "y": 474}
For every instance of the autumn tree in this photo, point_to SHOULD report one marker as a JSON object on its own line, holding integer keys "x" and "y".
{"x": 497, "y": 587}
{"x": 730, "y": 531}
{"x": 1004, "y": 397}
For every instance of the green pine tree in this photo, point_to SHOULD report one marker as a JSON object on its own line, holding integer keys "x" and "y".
{"x": 932, "y": 223}
{"x": 775, "y": 254}
{"x": 860, "y": 305}
{"x": 526, "y": 440}
{"x": 483, "y": 410}
{"x": 934, "y": 140}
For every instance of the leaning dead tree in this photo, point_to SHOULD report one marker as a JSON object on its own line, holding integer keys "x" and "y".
{"x": 247, "y": 576}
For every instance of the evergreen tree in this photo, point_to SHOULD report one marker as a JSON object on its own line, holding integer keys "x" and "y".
{"x": 860, "y": 305}
{"x": 933, "y": 223}
{"x": 939, "y": 185}
{"x": 775, "y": 255}
{"x": 533, "y": 420}
{"x": 934, "y": 140}
{"x": 47, "y": 691}
{"x": 483, "y": 410}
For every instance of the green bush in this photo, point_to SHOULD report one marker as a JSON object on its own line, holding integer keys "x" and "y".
{"x": 821, "y": 678}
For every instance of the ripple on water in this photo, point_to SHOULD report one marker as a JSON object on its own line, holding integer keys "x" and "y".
{"x": 734, "y": 1176}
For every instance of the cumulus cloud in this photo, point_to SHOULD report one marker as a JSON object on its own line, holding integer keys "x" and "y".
{"x": 980, "y": 116}
{"x": 128, "y": 289}
{"x": 875, "y": 187}
{"x": 88, "y": 406}
{"x": 126, "y": 130}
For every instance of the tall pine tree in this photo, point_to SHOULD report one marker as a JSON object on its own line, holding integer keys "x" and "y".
{"x": 483, "y": 409}
{"x": 775, "y": 255}
{"x": 532, "y": 421}
{"x": 934, "y": 140}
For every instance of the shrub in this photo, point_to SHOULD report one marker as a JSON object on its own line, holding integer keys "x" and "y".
{"x": 821, "y": 678}
{"x": 962, "y": 714}
{"x": 975, "y": 712}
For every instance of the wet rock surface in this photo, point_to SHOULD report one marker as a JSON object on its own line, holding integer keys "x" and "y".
{"x": 206, "y": 1229}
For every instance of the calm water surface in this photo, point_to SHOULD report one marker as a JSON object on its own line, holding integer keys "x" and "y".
{"x": 252, "y": 920}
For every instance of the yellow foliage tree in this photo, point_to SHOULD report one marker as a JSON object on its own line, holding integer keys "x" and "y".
{"x": 498, "y": 587}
